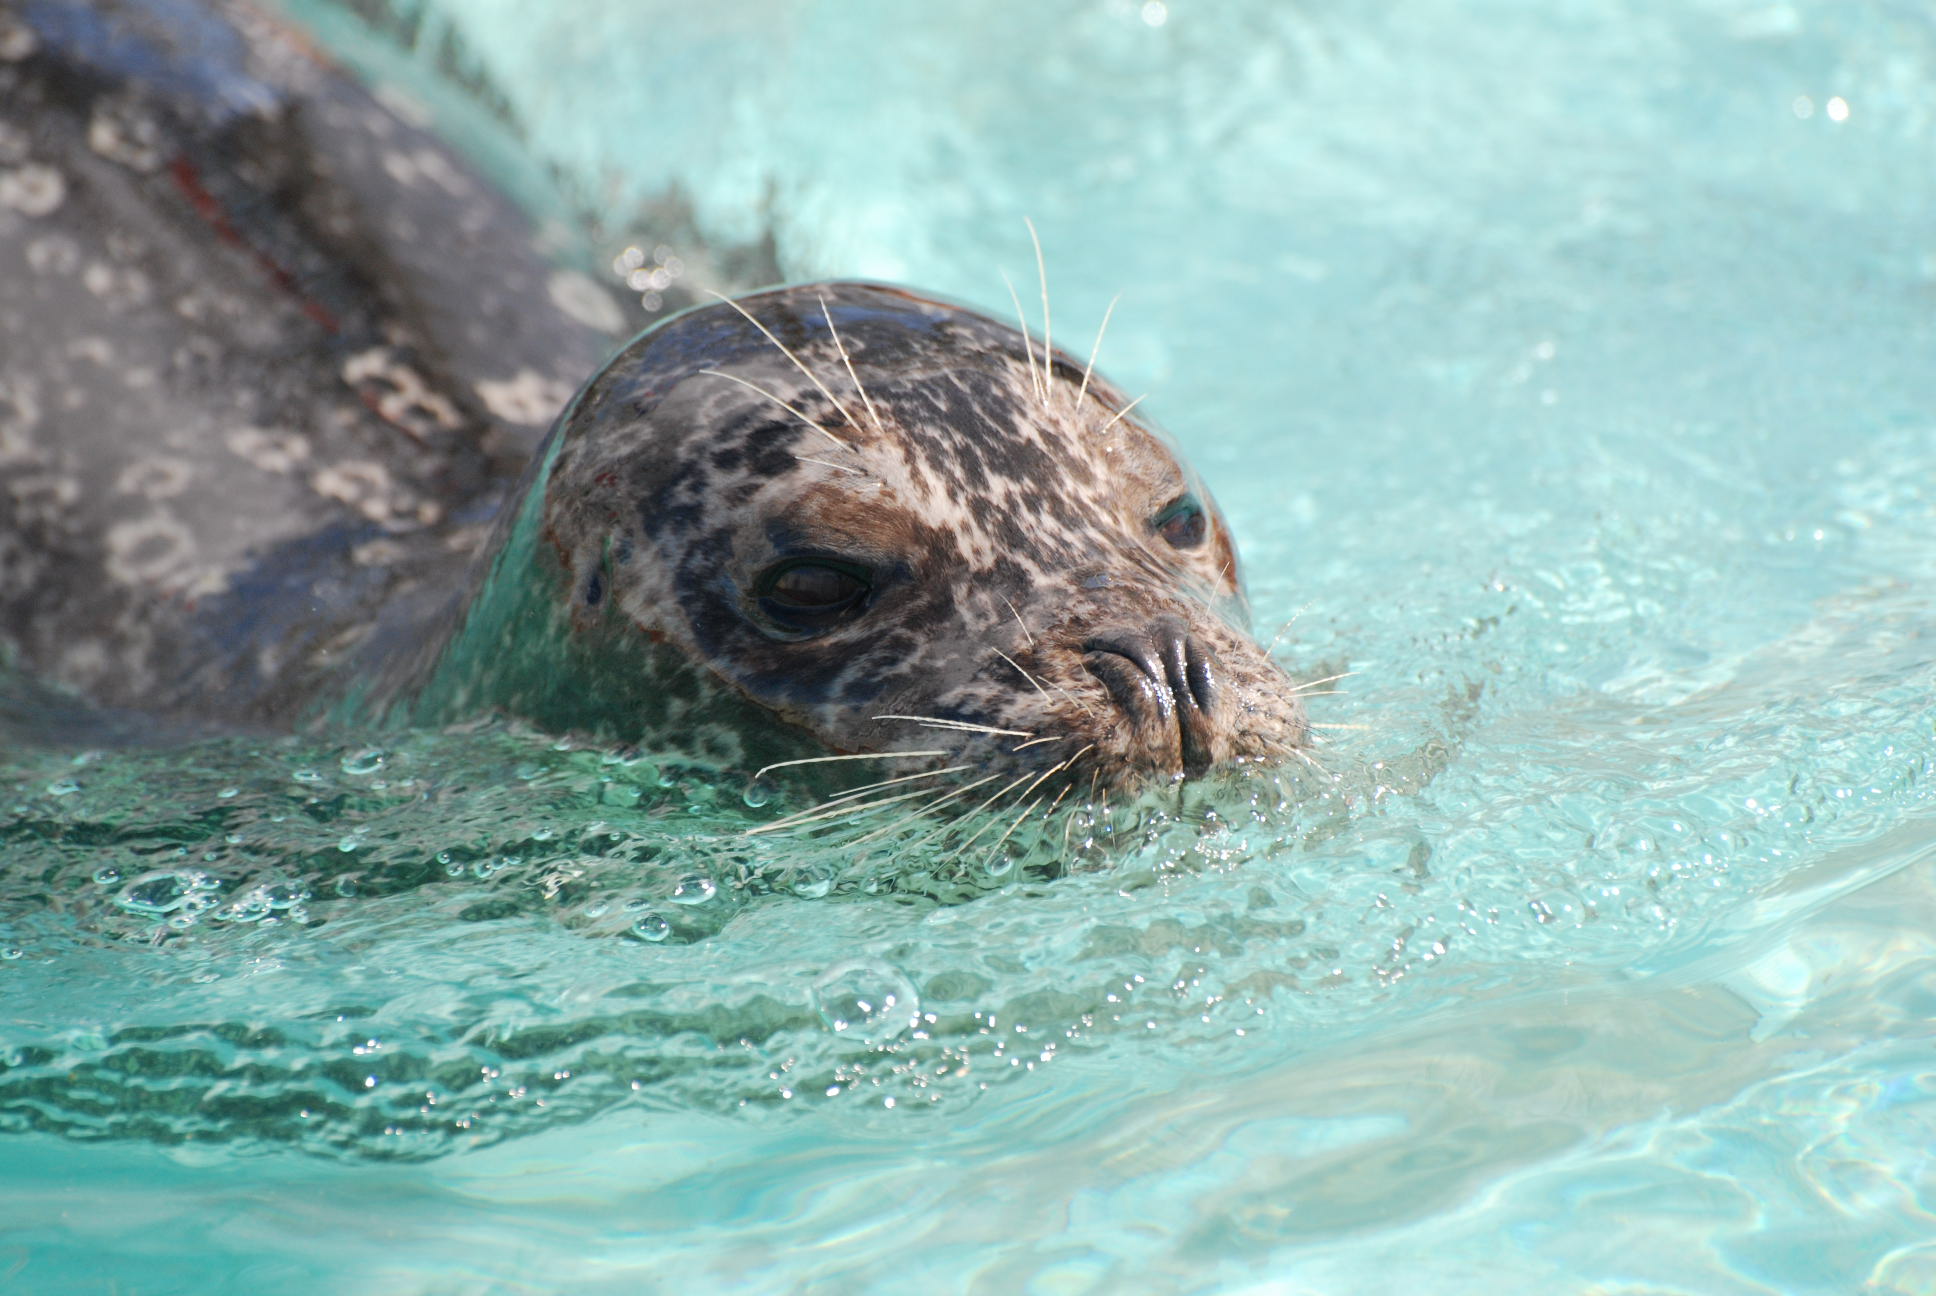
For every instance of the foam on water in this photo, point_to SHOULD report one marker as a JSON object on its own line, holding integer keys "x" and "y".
{"x": 1566, "y": 376}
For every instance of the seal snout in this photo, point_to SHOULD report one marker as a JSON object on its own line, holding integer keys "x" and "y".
{"x": 1164, "y": 680}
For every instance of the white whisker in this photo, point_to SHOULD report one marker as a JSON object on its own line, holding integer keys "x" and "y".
{"x": 1027, "y": 810}
{"x": 1018, "y": 621}
{"x": 783, "y": 404}
{"x": 763, "y": 770}
{"x": 1119, "y": 415}
{"x": 1328, "y": 679}
{"x": 1096, "y": 349}
{"x": 841, "y": 347}
{"x": 1312, "y": 724}
{"x": 1028, "y": 342}
{"x": 905, "y": 778}
{"x": 1018, "y": 667}
{"x": 1048, "y": 333}
{"x": 819, "y": 813}
{"x": 1035, "y": 741}
{"x": 963, "y": 790}
{"x": 936, "y": 722}
{"x": 797, "y": 362}
{"x": 824, "y": 463}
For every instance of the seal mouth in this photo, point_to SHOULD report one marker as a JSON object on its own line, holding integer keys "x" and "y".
{"x": 1164, "y": 681}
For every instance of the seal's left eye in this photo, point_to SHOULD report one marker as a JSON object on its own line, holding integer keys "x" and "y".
{"x": 1181, "y": 523}
{"x": 808, "y": 595}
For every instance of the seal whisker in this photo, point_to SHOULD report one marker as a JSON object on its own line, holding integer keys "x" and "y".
{"x": 1028, "y": 340}
{"x": 1328, "y": 679}
{"x": 1027, "y": 810}
{"x": 1041, "y": 778}
{"x": 783, "y": 404}
{"x": 1090, "y": 368}
{"x": 942, "y": 800}
{"x": 827, "y": 463}
{"x": 1004, "y": 791}
{"x": 1034, "y": 741}
{"x": 1018, "y": 621}
{"x": 1315, "y": 725}
{"x": 1119, "y": 415}
{"x": 798, "y": 363}
{"x": 1018, "y": 668}
{"x": 1272, "y": 646}
{"x": 905, "y": 778}
{"x": 939, "y": 722}
{"x": 847, "y": 360}
{"x": 821, "y": 812}
{"x": 763, "y": 770}
{"x": 1048, "y": 333}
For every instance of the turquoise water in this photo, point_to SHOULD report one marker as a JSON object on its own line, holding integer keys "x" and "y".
{"x": 1568, "y": 376}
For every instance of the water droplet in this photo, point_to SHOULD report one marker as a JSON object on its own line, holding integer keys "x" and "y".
{"x": 107, "y": 875}
{"x": 63, "y": 787}
{"x": 756, "y": 795}
{"x": 229, "y": 793}
{"x": 869, "y": 1000}
{"x": 811, "y": 882}
{"x": 346, "y": 887}
{"x": 363, "y": 762}
{"x": 306, "y": 776}
{"x": 348, "y": 844}
{"x": 695, "y": 888}
{"x": 12, "y": 952}
{"x": 651, "y": 927}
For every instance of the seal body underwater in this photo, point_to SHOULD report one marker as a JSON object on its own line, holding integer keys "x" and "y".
{"x": 271, "y": 357}
{"x": 830, "y": 519}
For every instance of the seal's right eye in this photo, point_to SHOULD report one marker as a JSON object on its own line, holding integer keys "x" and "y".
{"x": 808, "y": 595}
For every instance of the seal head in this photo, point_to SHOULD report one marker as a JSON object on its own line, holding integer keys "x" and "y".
{"x": 890, "y": 523}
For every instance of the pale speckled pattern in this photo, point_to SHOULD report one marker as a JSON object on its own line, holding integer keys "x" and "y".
{"x": 269, "y": 356}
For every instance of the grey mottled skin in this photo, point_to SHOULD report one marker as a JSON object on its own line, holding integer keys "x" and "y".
{"x": 1019, "y": 577}
{"x": 270, "y": 357}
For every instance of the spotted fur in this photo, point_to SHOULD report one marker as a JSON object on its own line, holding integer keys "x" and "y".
{"x": 1009, "y": 520}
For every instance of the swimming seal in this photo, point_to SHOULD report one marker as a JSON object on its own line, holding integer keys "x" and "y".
{"x": 835, "y": 518}
{"x": 891, "y": 523}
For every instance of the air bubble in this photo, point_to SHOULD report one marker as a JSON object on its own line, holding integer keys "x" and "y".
{"x": 165, "y": 891}
{"x": 811, "y": 882}
{"x": 871, "y": 1001}
{"x": 650, "y": 927}
{"x": 107, "y": 875}
{"x": 756, "y": 795}
{"x": 63, "y": 787}
{"x": 694, "y": 889}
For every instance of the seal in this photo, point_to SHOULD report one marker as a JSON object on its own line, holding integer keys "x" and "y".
{"x": 823, "y": 522}
{"x": 893, "y": 525}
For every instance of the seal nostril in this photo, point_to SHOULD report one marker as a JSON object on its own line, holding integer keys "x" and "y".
{"x": 1161, "y": 675}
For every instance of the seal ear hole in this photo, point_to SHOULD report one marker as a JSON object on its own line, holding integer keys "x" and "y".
{"x": 1181, "y": 523}
{"x": 804, "y": 596}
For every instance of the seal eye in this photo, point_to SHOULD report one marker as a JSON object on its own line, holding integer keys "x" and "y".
{"x": 806, "y": 595}
{"x": 1181, "y": 523}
